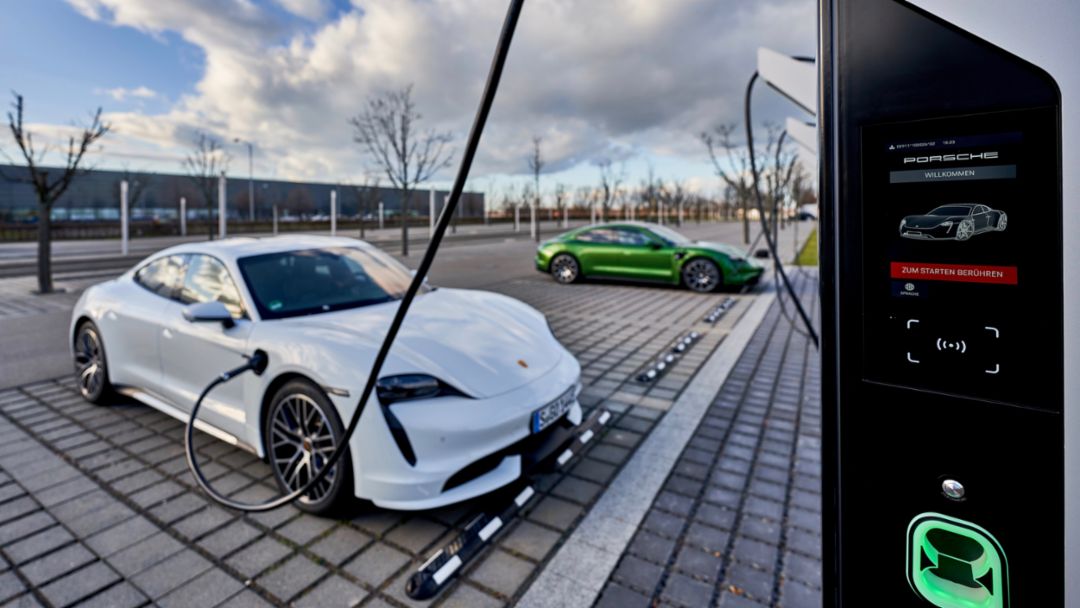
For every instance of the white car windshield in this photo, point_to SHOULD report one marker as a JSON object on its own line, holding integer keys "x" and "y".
{"x": 312, "y": 281}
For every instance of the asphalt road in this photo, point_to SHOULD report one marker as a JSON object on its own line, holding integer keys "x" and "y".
{"x": 34, "y": 329}
{"x": 103, "y": 256}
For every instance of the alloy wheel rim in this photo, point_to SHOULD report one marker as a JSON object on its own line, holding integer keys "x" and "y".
{"x": 89, "y": 365}
{"x": 1003, "y": 222}
{"x": 702, "y": 276}
{"x": 565, "y": 269}
{"x": 301, "y": 441}
{"x": 964, "y": 231}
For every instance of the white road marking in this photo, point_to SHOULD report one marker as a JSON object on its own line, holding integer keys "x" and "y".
{"x": 491, "y": 528}
{"x": 448, "y": 568}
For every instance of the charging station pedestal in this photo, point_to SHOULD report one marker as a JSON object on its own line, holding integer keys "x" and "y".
{"x": 948, "y": 256}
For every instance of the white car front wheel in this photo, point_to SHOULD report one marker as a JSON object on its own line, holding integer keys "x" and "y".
{"x": 302, "y": 430}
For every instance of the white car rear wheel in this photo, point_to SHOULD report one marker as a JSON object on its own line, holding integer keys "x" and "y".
{"x": 91, "y": 370}
{"x": 302, "y": 430}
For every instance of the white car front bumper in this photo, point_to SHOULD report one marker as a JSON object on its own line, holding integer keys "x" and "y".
{"x": 449, "y": 434}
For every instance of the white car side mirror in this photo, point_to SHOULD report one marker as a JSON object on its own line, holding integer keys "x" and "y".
{"x": 208, "y": 312}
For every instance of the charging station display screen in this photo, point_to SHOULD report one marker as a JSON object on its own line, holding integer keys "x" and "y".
{"x": 962, "y": 290}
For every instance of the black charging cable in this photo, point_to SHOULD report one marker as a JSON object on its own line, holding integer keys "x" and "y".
{"x": 498, "y": 62}
{"x": 765, "y": 228}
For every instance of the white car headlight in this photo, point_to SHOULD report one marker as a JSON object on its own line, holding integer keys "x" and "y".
{"x": 406, "y": 387}
{"x": 946, "y": 224}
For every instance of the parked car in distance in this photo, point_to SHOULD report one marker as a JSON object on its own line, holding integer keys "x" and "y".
{"x": 644, "y": 251}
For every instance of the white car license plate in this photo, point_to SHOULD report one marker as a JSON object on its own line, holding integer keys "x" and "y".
{"x": 551, "y": 412}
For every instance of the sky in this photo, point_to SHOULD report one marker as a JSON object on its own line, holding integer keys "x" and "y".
{"x": 633, "y": 81}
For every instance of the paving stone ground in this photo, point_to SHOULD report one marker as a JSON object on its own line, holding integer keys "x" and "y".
{"x": 738, "y": 522}
{"x": 97, "y": 506}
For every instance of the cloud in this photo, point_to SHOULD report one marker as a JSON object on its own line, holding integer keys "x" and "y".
{"x": 312, "y": 10}
{"x": 122, "y": 94}
{"x": 595, "y": 79}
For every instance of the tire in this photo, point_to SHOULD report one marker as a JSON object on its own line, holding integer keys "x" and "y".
{"x": 965, "y": 230}
{"x": 565, "y": 269}
{"x": 1002, "y": 222}
{"x": 302, "y": 425}
{"x": 702, "y": 275}
{"x": 91, "y": 366}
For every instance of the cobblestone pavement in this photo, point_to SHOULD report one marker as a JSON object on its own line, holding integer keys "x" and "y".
{"x": 97, "y": 506}
{"x": 738, "y": 522}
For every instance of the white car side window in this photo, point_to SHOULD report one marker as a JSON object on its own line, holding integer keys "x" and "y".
{"x": 162, "y": 276}
{"x": 208, "y": 280}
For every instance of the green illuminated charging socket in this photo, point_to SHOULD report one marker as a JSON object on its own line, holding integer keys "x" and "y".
{"x": 956, "y": 564}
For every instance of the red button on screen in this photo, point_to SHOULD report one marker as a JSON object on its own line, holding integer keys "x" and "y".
{"x": 962, "y": 273}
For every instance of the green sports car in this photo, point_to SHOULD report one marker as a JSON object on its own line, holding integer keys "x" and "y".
{"x": 640, "y": 251}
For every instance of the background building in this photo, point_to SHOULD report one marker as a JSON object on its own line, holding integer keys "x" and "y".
{"x": 95, "y": 195}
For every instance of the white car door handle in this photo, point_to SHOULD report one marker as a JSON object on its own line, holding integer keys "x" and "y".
{"x": 167, "y": 333}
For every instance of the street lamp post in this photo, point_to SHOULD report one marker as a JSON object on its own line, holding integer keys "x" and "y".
{"x": 251, "y": 176}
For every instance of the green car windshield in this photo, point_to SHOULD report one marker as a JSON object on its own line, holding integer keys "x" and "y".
{"x": 670, "y": 235}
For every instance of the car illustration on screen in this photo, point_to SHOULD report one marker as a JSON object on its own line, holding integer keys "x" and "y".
{"x": 957, "y": 222}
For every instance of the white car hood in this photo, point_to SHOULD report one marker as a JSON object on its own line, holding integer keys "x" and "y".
{"x": 481, "y": 343}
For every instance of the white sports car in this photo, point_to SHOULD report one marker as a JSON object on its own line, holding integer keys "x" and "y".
{"x": 474, "y": 385}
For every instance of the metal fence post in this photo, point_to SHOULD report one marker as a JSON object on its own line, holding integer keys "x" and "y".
{"x": 221, "y": 205}
{"x": 333, "y": 213}
{"x": 124, "y": 217}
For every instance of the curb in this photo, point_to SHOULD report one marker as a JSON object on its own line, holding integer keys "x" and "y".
{"x": 575, "y": 576}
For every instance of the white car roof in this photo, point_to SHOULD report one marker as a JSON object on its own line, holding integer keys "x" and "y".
{"x": 240, "y": 247}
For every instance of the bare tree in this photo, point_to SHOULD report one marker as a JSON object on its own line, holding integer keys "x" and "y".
{"x": 49, "y": 190}
{"x": 610, "y": 181}
{"x": 203, "y": 165}
{"x": 736, "y": 173}
{"x": 536, "y": 165}
{"x": 507, "y": 201}
{"x": 802, "y": 190}
{"x": 675, "y": 197}
{"x": 367, "y": 195}
{"x": 386, "y": 130}
{"x": 136, "y": 187}
{"x": 583, "y": 198}
{"x": 649, "y": 193}
{"x": 779, "y": 170}
{"x": 561, "y": 194}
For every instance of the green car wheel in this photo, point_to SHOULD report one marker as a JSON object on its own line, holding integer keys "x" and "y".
{"x": 565, "y": 268}
{"x": 701, "y": 275}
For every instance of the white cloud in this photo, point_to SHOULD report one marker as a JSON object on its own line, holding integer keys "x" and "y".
{"x": 122, "y": 94}
{"x": 591, "y": 77}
